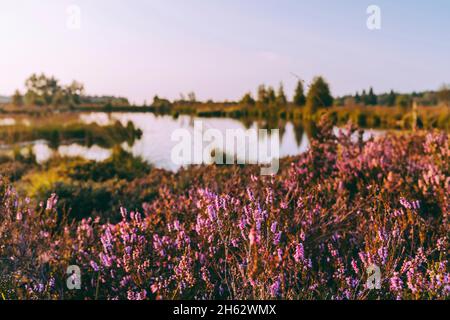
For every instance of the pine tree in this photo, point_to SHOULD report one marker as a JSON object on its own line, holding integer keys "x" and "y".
{"x": 364, "y": 97}
{"x": 248, "y": 100}
{"x": 357, "y": 98}
{"x": 371, "y": 98}
{"x": 319, "y": 96}
{"x": 262, "y": 94}
{"x": 299, "y": 95}
{"x": 271, "y": 97}
{"x": 391, "y": 98}
{"x": 281, "y": 96}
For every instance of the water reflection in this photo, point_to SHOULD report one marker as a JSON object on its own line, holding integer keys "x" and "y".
{"x": 43, "y": 151}
{"x": 155, "y": 144}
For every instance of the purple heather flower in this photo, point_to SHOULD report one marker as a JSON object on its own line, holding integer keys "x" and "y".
{"x": 51, "y": 202}
{"x": 94, "y": 265}
{"x": 275, "y": 288}
{"x": 273, "y": 227}
{"x": 250, "y": 195}
{"x": 355, "y": 266}
{"x": 51, "y": 283}
{"x": 280, "y": 254}
{"x": 396, "y": 283}
{"x": 299, "y": 253}
{"x": 212, "y": 213}
{"x": 242, "y": 223}
{"x": 276, "y": 238}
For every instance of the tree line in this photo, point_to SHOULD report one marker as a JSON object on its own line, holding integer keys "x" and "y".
{"x": 318, "y": 96}
{"x": 42, "y": 90}
{"x": 392, "y": 98}
{"x": 47, "y": 91}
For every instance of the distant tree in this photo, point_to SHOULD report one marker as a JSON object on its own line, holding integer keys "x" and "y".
{"x": 444, "y": 94}
{"x": 403, "y": 101}
{"x": 319, "y": 95}
{"x": 392, "y": 98}
{"x": 74, "y": 91}
{"x": 271, "y": 96}
{"x": 17, "y": 99}
{"x": 357, "y": 98}
{"x": 43, "y": 90}
{"x": 364, "y": 97}
{"x": 349, "y": 101}
{"x": 281, "y": 99}
{"x": 192, "y": 97}
{"x": 33, "y": 99}
{"x": 162, "y": 105}
{"x": 371, "y": 98}
{"x": 248, "y": 100}
{"x": 60, "y": 98}
{"x": 429, "y": 99}
{"x": 262, "y": 95}
{"x": 299, "y": 95}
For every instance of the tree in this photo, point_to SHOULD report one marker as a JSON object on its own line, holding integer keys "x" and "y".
{"x": 319, "y": 95}
{"x": 391, "y": 99}
{"x": 162, "y": 105}
{"x": 33, "y": 99}
{"x": 371, "y": 98}
{"x": 299, "y": 95}
{"x": 191, "y": 97}
{"x": 403, "y": 101}
{"x": 42, "y": 88}
{"x": 357, "y": 98}
{"x": 364, "y": 97}
{"x": 262, "y": 95}
{"x": 60, "y": 98}
{"x": 74, "y": 91}
{"x": 281, "y": 99}
{"x": 349, "y": 101}
{"x": 444, "y": 95}
{"x": 248, "y": 100}
{"x": 271, "y": 97}
{"x": 17, "y": 99}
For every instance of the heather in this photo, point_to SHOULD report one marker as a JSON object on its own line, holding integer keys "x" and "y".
{"x": 225, "y": 232}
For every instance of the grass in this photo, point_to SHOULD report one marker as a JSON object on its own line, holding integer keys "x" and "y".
{"x": 56, "y": 132}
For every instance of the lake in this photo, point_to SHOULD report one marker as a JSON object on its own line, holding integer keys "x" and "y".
{"x": 155, "y": 145}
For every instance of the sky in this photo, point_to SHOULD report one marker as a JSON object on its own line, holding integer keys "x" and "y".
{"x": 221, "y": 49}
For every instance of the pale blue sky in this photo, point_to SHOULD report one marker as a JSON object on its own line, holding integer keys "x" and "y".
{"x": 223, "y": 48}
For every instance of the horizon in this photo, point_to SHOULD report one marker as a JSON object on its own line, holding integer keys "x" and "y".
{"x": 222, "y": 50}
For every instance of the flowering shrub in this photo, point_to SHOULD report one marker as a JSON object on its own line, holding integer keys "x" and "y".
{"x": 309, "y": 232}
